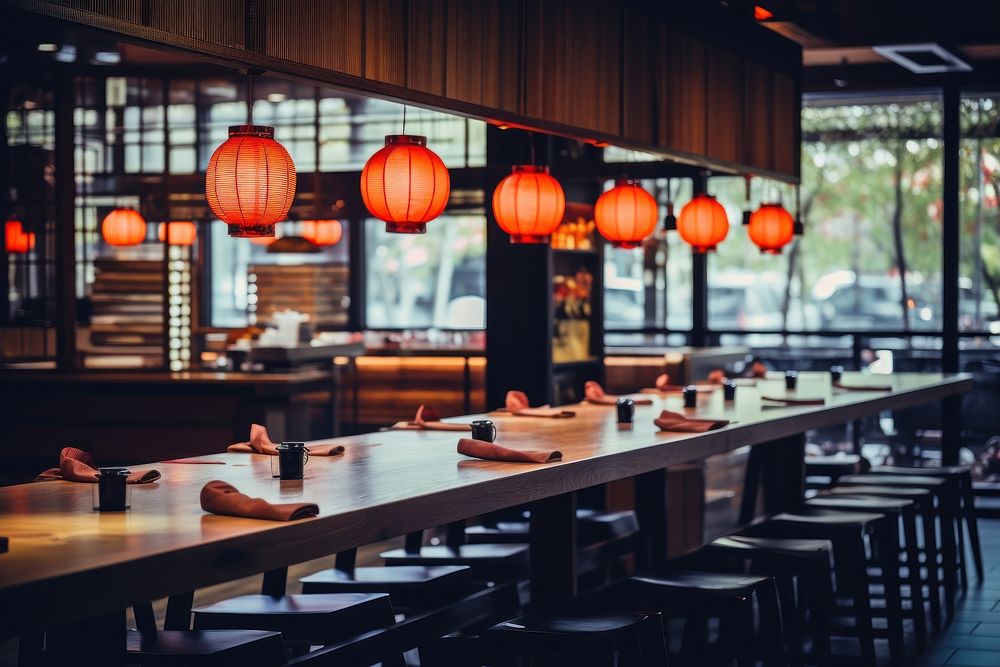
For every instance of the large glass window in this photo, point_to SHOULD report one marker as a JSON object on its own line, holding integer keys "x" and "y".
{"x": 650, "y": 287}
{"x": 980, "y": 214}
{"x": 871, "y": 204}
{"x": 437, "y": 279}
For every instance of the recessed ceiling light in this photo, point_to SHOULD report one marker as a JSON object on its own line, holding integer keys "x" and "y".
{"x": 276, "y": 97}
{"x": 48, "y": 47}
{"x": 107, "y": 57}
{"x": 923, "y": 58}
{"x": 67, "y": 54}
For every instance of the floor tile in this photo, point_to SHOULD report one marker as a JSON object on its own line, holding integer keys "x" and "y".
{"x": 974, "y": 658}
{"x": 987, "y": 630}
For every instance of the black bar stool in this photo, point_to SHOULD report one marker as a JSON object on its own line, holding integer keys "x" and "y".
{"x": 899, "y": 512}
{"x": 488, "y": 562}
{"x": 946, "y": 514}
{"x": 823, "y": 471}
{"x": 848, "y": 532}
{"x": 963, "y": 476}
{"x": 800, "y": 566}
{"x": 411, "y": 588}
{"x": 924, "y": 499}
{"x": 609, "y": 639}
{"x": 228, "y": 648}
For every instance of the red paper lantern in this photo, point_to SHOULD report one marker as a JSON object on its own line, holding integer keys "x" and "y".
{"x": 626, "y": 214}
{"x": 182, "y": 232}
{"x": 123, "y": 227}
{"x": 323, "y": 232}
{"x": 18, "y": 241}
{"x": 250, "y": 183}
{"x": 529, "y": 204}
{"x": 771, "y": 228}
{"x": 703, "y": 223}
{"x": 405, "y": 184}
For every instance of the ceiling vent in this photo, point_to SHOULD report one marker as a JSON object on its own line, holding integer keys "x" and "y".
{"x": 923, "y": 58}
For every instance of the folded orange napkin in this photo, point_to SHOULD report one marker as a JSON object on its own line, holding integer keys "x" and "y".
{"x": 594, "y": 393}
{"x": 862, "y": 387}
{"x": 492, "y": 451}
{"x": 76, "y": 465}
{"x": 663, "y": 386}
{"x": 674, "y": 421}
{"x": 222, "y": 498}
{"x": 517, "y": 404}
{"x": 758, "y": 370}
{"x": 428, "y": 419}
{"x": 718, "y": 376}
{"x": 784, "y": 400}
{"x": 260, "y": 443}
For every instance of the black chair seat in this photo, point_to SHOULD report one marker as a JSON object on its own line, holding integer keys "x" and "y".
{"x": 488, "y": 562}
{"x": 313, "y": 619}
{"x": 941, "y": 471}
{"x": 804, "y": 547}
{"x": 592, "y": 527}
{"x": 922, "y": 481}
{"x": 734, "y": 586}
{"x": 627, "y": 639}
{"x": 205, "y": 647}
{"x": 911, "y": 492}
{"x": 833, "y": 466}
{"x": 410, "y": 587}
{"x": 861, "y": 503}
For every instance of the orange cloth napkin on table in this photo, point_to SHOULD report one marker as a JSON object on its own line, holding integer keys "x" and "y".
{"x": 593, "y": 392}
{"x": 222, "y": 498}
{"x": 674, "y": 421}
{"x": 663, "y": 386}
{"x": 492, "y": 451}
{"x": 76, "y": 465}
{"x": 516, "y": 403}
{"x": 260, "y": 443}
{"x": 428, "y": 419}
{"x": 861, "y": 387}
{"x": 786, "y": 400}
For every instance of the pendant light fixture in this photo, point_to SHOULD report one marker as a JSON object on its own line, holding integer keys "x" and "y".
{"x": 747, "y": 206}
{"x": 670, "y": 220}
{"x": 771, "y": 228}
{"x": 250, "y": 182}
{"x": 18, "y": 241}
{"x": 626, "y": 214}
{"x": 529, "y": 204}
{"x": 405, "y": 183}
{"x": 181, "y": 232}
{"x": 123, "y": 227}
{"x": 322, "y": 232}
{"x": 798, "y": 229}
{"x": 703, "y": 223}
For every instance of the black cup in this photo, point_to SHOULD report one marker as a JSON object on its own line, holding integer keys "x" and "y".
{"x": 111, "y": 489}
{"x": 791, "y": 379}
{"x": 292, "y": 457}
{"x": 690, "y": 396}
{"x": 729, "y": 390}
{"x": 626, "y": 410}
{"x": 484, "y": 429}
{"x": 836, "y": 373}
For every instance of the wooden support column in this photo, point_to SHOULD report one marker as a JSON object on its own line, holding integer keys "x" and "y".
{"x": 65, "y": 193}
{"x": 553, "y": 550}
{"x": 777, "y": 469}
{"x": 951, "y": 407}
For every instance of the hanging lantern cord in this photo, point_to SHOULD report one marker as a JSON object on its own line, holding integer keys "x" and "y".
{"x": 253, "y": 73}
{"x": 404, "y": 119}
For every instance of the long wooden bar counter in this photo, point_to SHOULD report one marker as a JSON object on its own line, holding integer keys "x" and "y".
{"x": 63, "y": 557}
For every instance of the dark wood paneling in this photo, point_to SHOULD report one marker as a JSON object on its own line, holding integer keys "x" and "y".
{"x": 639, "y": 107}
{"x": 786, "y": 112}
{"x": 123, "y": 10}
{"x": 573, "y": 63}
{"x": 315, "y": 32}
{"x": 724, "y": 105}
{"x": 681, "y": 81}
{"x": 426, "y": 46}
{"x": 385, "y": 34}
{"x": 219, "y": 21}
{"x": 758, "y": 128}
{"x": 483, "y": 53}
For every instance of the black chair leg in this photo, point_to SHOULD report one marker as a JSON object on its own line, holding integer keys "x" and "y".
{"x": 969, "y": 509}
{"x": 791, "y": 620}
{"x": 30, "y": 647}
{"x": 861, "y": 598}
{"x": 913, "y": 577}
{"x": 888, "y": 551}
{"x": 178, "y": 615}
{"x": 771, "y": 634}
{"x": 819, "y": 592}
{"x": 933, "y": 573}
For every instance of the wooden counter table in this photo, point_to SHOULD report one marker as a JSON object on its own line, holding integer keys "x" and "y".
{"x": 67, "y": 562}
